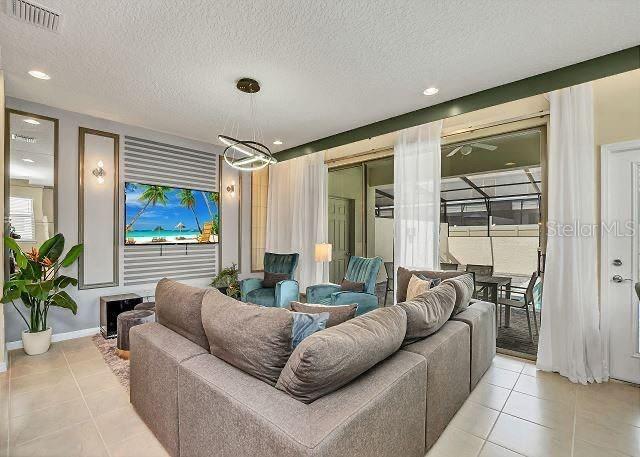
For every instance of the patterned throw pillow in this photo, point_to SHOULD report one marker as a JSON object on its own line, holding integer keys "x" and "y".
{"x": 271, "y": 279}
{"x": 417, "y": 286}
{"x": 305, "y": 325}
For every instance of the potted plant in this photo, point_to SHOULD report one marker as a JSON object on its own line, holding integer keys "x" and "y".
{"x": 38, "y": 284}
{"x": 227, "y": 281}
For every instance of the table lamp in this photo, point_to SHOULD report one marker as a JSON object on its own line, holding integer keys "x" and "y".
{"x": 323, "y": 252}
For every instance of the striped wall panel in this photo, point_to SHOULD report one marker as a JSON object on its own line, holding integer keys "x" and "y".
{"x": 152, "y": 162}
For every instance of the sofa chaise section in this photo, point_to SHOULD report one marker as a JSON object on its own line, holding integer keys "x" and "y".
{"x": 228, "y": 413}
{"x": 156, "y": 353}
{"x": 447, "y": 354}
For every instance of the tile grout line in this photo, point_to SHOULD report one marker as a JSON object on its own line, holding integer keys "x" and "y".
{"x": 84, "y": 400}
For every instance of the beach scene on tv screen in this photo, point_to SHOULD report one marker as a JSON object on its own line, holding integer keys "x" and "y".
{"x": 161, "y": 214}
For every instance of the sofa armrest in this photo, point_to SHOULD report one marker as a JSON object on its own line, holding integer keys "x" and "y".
{"x": 320, "y": 292}
{"x": 366, "y": 302}
{"x": 286, "y": 292}
{"x": 380, "y": 413}
{"x": 247, "y": 285}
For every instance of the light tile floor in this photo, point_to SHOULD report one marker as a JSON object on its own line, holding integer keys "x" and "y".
{"x": 68, "y": 403}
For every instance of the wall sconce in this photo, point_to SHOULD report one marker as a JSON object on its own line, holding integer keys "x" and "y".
{"x": 232, "y": 189}
{"x": 99, "y": 172}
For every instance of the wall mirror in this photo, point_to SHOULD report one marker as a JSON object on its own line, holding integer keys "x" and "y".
{"x": 31, "y": 150}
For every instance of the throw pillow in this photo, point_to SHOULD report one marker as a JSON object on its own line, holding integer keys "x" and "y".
{"x": 464, "y": 286}
{"x": 271, "y": 279}
{"x": 428, "y": 312}
{"x": 305, "y": 325}
{"x": 404, "y": 275}
{"x": 328, "y": 360}
{"x": 351, "y": 286}
{"x": 417, "y": 286}
{"x": 178, "y": 308}
{"x": 337, "y": 314}
{"x": 254, "y": 339}
{"x": 434, "y": 281}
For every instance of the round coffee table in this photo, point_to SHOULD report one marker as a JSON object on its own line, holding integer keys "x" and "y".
{"x": 126, "y": 321}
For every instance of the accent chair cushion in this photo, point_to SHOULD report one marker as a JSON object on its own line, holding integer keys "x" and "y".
{"x": 254, "y": 339}
{"x": 352, "y": 286}
{"x": 262, "y": 297}
{"x": 337, "y": 314}
{"x": 327, "y": 360}
{"x": 305, "y": 325}
{"x": 464, "y": 285}
{"x": 428, "y": 312}
{"x": 178, "y": 308}
{"x": 417, "y": 286}
{"x": 271, "y": 279}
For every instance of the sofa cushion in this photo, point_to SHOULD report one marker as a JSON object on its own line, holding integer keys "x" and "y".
{"x": 428, "y": 312}
{"x": 178, "y": 308}
{"x": 337, "y": 314}
{"x": 418, "y": 285}
{"x": 329, "y": 359}
{"x": 404, "y": 275}
{"x": 255, "y": 339}
{"x": 271, "y": 279}
{"x": 464, "y": 286}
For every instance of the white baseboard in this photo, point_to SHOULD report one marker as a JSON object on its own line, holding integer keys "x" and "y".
{"x": 58, "y": 337}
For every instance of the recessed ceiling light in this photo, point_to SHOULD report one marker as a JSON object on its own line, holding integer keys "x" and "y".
{"x": 31, "y": 121}
{"x": 277, "y": 142}
{"x": 39, "y": 74}
{"x": 510, "y": 164}
{"x": 431, "y": 91}
{"x": 28, "y": 160}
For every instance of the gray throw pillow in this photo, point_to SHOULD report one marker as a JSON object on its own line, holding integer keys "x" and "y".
{"x": 271, "y": 279}
{"x": 178, "y": 308}
{"x": 327, "y": 360}
{"x": 427, "y": 312}
{"x": 404, "y": 275}
{"x": 254, "y": 339}
{"x": 305, "y": 325}
{"x": 464, "y": 286}
{"x": 351, "y": 286}
{"x": 337, "y": 314}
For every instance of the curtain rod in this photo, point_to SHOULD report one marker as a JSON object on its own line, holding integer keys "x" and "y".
{"x": 487, "y": 125}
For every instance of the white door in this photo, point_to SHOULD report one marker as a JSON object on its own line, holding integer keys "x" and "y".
{"x": 620, "y": 256}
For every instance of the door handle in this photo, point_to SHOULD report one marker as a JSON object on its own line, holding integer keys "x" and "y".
{"x": 619, "y": 279}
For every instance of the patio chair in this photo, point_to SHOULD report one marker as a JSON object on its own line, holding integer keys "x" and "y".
{"x": 206, "y": 233}
{"x": 526, "y": 299}
{"x": 448, "y": 266}
{"x": 388, "y": 268}
{"x": 480, "y": 270}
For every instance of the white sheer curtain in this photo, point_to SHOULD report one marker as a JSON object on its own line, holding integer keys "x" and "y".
{"x": 416, "y": 189}
{"x": 297, "y": 214}
{"x": 570, "y": 338}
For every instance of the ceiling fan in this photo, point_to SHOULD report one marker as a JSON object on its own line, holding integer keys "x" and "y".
{"x": 467, "y": 149}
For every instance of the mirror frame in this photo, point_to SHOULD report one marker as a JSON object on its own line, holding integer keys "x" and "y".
{"x": 7, "y": 172}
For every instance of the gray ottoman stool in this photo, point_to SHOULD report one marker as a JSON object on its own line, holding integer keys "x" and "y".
{"x": 127, "y": 320}
{"x": 147, "y": 306}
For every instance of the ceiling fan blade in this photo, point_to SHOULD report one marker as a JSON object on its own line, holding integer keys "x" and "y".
{"x": 454, "y": 152}
{"x": 488, "y": 147}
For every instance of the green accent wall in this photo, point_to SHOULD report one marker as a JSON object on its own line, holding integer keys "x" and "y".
{"x": 589, "y": 70}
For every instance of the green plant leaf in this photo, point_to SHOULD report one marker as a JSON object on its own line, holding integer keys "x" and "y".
{"x": 63, "y": 281}
{"x": 21, "y": 259}
{"x": 38, "y": 290}
{"x": 52, "y": 248}
{"x": 72, "y": 255}
{"x": 63, "y": 300}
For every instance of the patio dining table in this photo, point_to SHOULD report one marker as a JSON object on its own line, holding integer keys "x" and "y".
{"x": 491, "y": 286}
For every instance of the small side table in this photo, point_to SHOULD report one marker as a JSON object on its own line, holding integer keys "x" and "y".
{"x": 127, "y": 320}
{"x": 110, "y": 307}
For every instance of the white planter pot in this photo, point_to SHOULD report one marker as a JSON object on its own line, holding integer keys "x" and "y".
{"x": 36, "y": 343}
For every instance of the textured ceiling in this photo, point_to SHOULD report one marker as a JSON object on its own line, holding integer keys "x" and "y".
{"x": 325, "y": 66}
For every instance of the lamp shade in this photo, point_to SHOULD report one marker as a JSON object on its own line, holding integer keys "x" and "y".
{"x": 323, "y": 253}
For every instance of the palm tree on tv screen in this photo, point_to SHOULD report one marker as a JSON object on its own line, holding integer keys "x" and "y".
{"x": 152, "y": 195}
{"x": 188, "y": 200}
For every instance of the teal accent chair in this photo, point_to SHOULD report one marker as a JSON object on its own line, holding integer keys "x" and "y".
{"x": 283, "y": 293}
{"x": 360, "y": 269}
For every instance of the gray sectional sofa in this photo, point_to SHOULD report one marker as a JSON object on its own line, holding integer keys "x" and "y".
{"x": 199, "y": 405}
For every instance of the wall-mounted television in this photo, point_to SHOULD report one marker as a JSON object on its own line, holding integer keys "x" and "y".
{"x": 170, "y": 215}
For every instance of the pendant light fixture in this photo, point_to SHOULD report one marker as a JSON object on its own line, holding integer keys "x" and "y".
{"x": 246, "y": 154}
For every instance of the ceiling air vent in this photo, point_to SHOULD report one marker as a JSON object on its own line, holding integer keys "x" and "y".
{"x": 34, "y": 14}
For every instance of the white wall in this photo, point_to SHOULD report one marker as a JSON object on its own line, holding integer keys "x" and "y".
{"x": 63, "y": 321}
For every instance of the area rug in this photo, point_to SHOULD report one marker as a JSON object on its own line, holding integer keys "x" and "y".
{"x": 120, "y": 367}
